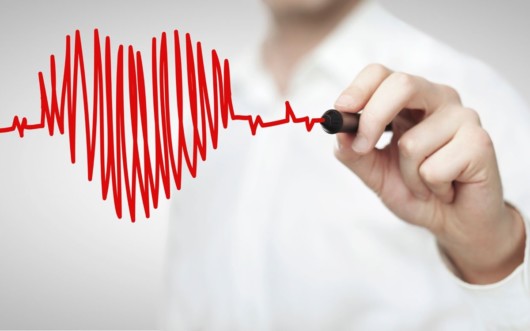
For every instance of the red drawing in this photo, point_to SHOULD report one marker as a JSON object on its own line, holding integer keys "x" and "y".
{"x": 105, "y": 123}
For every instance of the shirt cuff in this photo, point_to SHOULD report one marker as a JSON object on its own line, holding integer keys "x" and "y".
{"x": 504, "y": 305}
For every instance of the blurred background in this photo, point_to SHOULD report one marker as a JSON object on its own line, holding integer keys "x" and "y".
{"x": 66, "y": 261}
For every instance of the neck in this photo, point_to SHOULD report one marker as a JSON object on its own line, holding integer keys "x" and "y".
{"x": 294, "y": 34}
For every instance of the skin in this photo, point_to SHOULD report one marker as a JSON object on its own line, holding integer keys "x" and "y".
{"x": 440, "y": 169}
{"x": 297, "y": 27}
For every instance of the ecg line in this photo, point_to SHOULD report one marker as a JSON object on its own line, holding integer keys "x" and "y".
{"x": 105, "y": 124}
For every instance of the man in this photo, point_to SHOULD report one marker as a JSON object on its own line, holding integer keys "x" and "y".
{"x": 275, "y": 235}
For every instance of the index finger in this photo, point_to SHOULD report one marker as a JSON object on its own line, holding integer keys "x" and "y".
{"x": 357, "y": 94}
{"x": 397, "y": 92}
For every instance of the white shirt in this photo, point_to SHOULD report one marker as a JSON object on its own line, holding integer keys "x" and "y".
{"x": 276, "y": 234}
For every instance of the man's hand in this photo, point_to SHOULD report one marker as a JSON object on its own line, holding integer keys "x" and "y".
{"x": 439, "y": 170}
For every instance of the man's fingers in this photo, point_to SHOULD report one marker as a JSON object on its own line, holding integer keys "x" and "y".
{"x": 425, "y": 139}
{"x": 357, "y": 94}
{"x": 430, "y": 154}
{"x": 396, "y": 92}
{"x": 458, "y": 161}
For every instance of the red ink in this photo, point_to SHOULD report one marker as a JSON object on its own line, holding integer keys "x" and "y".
{"x": 105, "y": 124}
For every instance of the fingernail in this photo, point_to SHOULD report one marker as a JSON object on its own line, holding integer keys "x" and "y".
{"x": 360, "y": 144}
{"x": 345, "y": 101}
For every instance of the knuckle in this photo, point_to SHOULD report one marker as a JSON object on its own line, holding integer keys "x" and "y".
{"x": 478, "y": 141}
{"x": 378, "y": 69}
{"x": 450, "y": 93}
{"x": 407, "y": 146}
{"x": 429, "y": 174}
{"x": 473, "y": 115}
{"x": 404, "y": 81}
{"x": 482, "y": 139}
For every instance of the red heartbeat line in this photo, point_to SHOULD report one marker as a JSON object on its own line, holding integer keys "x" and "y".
{"x": 105, "y": 122}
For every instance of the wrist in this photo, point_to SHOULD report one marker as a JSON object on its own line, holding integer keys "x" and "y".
{"x": 490, "y": 252}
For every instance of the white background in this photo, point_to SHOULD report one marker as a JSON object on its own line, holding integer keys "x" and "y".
{"x": 66, "y": 262}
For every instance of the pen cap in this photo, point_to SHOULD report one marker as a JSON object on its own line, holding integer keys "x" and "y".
{"x": 336, "y": 121}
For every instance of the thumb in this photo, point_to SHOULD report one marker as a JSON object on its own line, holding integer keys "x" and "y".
{"x": 369, "y": 167}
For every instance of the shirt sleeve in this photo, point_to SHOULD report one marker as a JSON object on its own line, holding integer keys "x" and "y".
{"x": 504, "y": 305}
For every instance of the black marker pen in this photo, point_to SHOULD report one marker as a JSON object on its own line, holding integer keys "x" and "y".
{"x": 336, "y": 121}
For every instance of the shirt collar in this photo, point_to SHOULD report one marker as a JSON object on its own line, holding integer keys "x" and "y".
{"x": 356, "y": 42}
